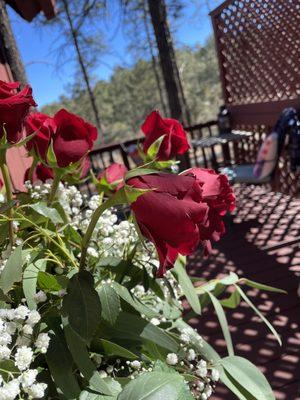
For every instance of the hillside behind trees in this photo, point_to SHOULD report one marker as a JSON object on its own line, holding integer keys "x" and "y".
{"x": 130, "y": 93}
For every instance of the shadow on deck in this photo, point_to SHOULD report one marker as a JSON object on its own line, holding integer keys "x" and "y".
{"x": 263, "y": 244}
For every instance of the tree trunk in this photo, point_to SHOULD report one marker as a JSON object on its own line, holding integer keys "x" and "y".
{"x": 168, "y": 64}
{"x": 154, "y": 62}
{"x": 82, "y": 66}
{"x": 11, "y": 51}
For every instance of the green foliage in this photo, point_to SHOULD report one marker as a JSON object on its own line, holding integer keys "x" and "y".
{"x": 154, "y": 386}
{"x": 81, "y": 305}
{"x": 12, "y": 271}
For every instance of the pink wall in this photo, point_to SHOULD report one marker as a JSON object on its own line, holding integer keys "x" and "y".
{"x": 17, "y": 164}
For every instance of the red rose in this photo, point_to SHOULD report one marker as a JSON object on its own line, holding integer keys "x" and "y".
{"x": 114, "y": 175}
{"x": 73, "y": 139}
{"x": 175, "y": 140}
{"x": 44, "y": 126}
{"x": 40, "y": 173}
{"x": 170, "y": 214}
{"x": 14, "y": 107}
{"x": 219, "y": 197}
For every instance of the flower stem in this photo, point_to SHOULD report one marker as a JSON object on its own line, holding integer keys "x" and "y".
{"x": 9, "y": 198}
{"x": 55, "y": 184}
{"x": 32, "y": 168}
{"x": 88, "y": 234}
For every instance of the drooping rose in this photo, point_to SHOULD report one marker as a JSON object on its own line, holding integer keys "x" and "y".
{"x": 218, "y": 195}
{"x": 40, "y": 173}
{"x": 114, "y": 176}
{"x": 14, "y": 107}
{"x": 175, "y": 140}
{"x": 170, "y": 214}
{"x": 73, "y": 139}
{"x": 44, "y": 128}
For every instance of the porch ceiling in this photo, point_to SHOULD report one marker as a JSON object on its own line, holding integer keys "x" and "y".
{"x": 30, "y": 8}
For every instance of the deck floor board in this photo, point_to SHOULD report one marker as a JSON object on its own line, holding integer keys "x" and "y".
{"x": 260, "y": 244}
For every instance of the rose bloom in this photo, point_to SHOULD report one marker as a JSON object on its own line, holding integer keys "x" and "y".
{"x": 175, "y": 140}
{"x": 181, "y": 211}
{"x": 169, "y": 214}
{"x": 14, "y": 107}
{"x": 44, "y": 128}
{"x": 40, "y": 173}
{"x": 73, "y": 139}
{"x": 218, "y": 195}
{"x": 114, "y": 176}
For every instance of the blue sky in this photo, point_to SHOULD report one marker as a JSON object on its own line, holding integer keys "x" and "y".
{"x": 49, "y": 82}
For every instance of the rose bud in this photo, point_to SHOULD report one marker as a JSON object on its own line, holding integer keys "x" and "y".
{"x": 40, "y": 173}
{"x": 113, "y": 176}
{"x": 44, "y": 128}
{"x": 170, "y": 214}
{"x": 218, "y": 195}
{"x": 175, "y": 140}
{"x": 73, "y": 139}
{"x": 14, "y": 107}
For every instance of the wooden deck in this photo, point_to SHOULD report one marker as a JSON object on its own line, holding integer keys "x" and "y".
{"x": 263, "y": 244}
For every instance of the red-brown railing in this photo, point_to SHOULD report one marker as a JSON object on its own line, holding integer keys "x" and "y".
{"x": 102, "y": 156}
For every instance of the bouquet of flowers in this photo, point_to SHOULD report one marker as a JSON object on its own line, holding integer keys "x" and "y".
{"x": 92, "y": 289}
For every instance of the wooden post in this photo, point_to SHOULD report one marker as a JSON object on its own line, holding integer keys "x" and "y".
{"x": 10, "y": 48}
{"x": 158, "y": 12}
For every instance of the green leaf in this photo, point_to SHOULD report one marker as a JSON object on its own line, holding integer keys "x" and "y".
{"x": 82, "y": 306}
{"x": 154, "y": 386}
{"x": 186, "y": 285}
{"x": 60, "y": 363}
{"x": 82, "y": 359}
{"x": 261, "y": 286}
{"x": 8, "y": 369}
{"x": 223, "y": 322}
{"x": 110, "y": 303}
{"x": 30, "y": 277}
{"x": 132, "y": 327}
{"x": 154, "y": 148}
{"x": 113, "y": 349}
{"x": 12, "y": 271}
{"x": 209, "y": 354}
{"x": 210, "y": 286}
{"x": 21, "y": 143}
{"x": 139, "y": 172}
{"x": 51, "y": 283}
{"x": 124, "y": 293}
{"x": 249, "y": 377}
{"x": 51, "y": 157}
{"x": 232, "y": 301}
{"x": 48, "y": 212}
{"x": 132, "y": 193}
{"x": 85, "y": 395}
{"x": 269, "y": 325}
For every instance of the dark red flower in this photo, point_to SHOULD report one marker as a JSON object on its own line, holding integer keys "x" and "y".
{"x": 218, "y": 195}
{"x": 170, "y": 214}
{"x": 40, "y": 173}
{"x": 45, "y": 127}
{"x": 175, "y": 141}
{"x": 114, "y": 175}
{"x": 14, "y": 107}
{"x": 73, "y": 139}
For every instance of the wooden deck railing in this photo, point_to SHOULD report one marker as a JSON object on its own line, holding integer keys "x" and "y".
{"x": 125, "y": 152}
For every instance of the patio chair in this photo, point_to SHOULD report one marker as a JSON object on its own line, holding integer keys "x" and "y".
{"x": 263, "y": 171}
